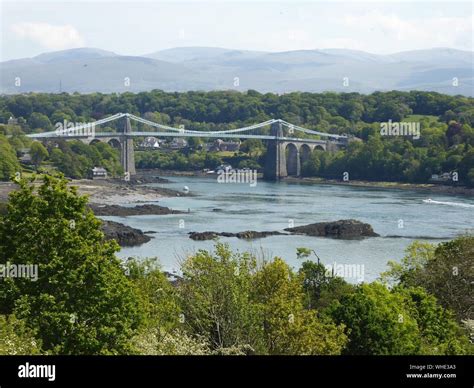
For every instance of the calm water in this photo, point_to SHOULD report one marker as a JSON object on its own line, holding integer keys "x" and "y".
{"x": 271, "y": 206}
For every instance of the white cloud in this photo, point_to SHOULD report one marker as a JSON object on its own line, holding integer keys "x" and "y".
{"x": 396, "y": 32}
{"x": 53, "y": 37}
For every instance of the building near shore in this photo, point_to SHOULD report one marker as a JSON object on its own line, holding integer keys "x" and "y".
{"x": 98, "y": 173}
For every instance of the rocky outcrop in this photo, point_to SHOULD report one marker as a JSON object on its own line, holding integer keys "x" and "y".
{"x": 126, "y": 236}
{"x": 247, "y": 235}
{"x": 344, "y": 229}
{"x": 122, "y": 211}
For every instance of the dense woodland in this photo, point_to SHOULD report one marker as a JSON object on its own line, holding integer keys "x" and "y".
{"x": 446, "y": 143}
{"x": 86, "y": 301}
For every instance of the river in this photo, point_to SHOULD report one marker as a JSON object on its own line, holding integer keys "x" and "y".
{"x": 230, "y": 207}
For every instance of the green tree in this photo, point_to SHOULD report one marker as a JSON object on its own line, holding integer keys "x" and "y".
{"x": 159, "y": 298}
{"x": 253, "y": 147}
{"x": 445, "y": 271}
{"x": 38, "y": 153}
{"x": 378, "y": 322}
{"x": 39, "y": 121}
{"x": 8, "y": 161}
{"x": 16, "y": 338}
{"x": 81, "y": 303}
{"x": 215, "y": 298}
{"x": 406, "y": 272}
{"x": 288, "y": 327}
{"x": 440, "y": 333}
{"x": 322, "y": 288}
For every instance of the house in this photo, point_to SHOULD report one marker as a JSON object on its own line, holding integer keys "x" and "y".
{"x": 98, "y": 173}
{"x": 12, "y": 121}
{"x": 221, "y": 145}
{"x": 224, "y": 168}
{"x": 178, "y": 143}
{"x": 440, "y": 178}
{"x": 150, "y": 142}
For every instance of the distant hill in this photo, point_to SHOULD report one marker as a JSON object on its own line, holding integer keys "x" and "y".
{"x": 88, "y": 70}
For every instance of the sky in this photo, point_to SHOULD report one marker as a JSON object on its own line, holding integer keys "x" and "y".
{"x": 29, "y": 28}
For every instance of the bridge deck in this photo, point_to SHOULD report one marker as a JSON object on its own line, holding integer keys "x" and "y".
{"x": 176, "y": 134}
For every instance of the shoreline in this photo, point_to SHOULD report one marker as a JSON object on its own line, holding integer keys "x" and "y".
{"x": 110, "y": 191}
{"x": 425, "y": 187}
{"x": 118, "y": 192}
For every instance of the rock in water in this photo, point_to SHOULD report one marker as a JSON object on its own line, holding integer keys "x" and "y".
{"x": 344, "y": 229}
{"x": 247, "y": 235}
{"x": 126, "y": 236}
{"x": 201, "y": 236}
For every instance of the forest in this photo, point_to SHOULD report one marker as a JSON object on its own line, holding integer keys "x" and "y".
{"x": 446, "y": 144}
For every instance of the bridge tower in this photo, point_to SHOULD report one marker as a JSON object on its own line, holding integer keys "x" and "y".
{"x": 127, "y": 154}
{"x": 275, "y": 163}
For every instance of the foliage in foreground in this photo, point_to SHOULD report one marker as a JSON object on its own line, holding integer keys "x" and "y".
{"x": 85, "y": 302}
{"x": 81, "y": 303}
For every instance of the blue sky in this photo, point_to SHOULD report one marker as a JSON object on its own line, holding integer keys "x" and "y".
{"x": 134, "y": 28}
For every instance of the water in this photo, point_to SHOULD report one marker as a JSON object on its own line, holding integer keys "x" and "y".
{"x": 272, "y": 206}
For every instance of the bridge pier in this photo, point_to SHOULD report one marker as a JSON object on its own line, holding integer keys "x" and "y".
{"x": 275, "y": 161}
{"x": 127, "y": 153}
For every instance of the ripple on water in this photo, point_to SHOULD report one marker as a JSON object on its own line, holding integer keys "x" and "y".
{"x": 271, "y": 206}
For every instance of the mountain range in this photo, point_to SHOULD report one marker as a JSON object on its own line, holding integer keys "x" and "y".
{"x": 87, "y": 70}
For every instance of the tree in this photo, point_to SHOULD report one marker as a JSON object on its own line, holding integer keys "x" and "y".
{"x": 445, "y": 271}
{"x": 16, "y": 338}
{"x": 440, "y": 333}
{"x": 378, "y": 322}
{"x": 81, "y": 302}
{"x": 321, "y": 288}
{"x": 38, "y": 120}
{"x": 352, "y": 110}
{"x": 288, "y": 327}
{"x": 159, "y": 298}
{"x": 38, "y": 153}
{"x": 406, "y": 272}
{"x": 215, "y": 299}
{"x": 8, "y": 161}
{"x": 391, "y": 110}
{"x": 253, "y": 147}
{"x": 195, "y": 142}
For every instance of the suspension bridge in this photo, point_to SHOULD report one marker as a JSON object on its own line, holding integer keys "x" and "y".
{"x": 288, "y": 145}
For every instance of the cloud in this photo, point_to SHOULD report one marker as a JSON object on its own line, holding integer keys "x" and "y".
{"x": 49, "y": 36}
{"x": 395, "y": 31}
